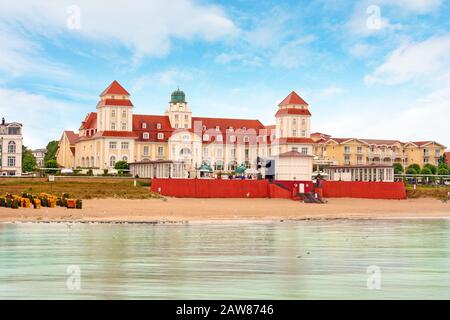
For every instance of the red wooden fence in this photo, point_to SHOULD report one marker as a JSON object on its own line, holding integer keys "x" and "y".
{"x": 210, "y": 188}
{"x": 359, "y": 189}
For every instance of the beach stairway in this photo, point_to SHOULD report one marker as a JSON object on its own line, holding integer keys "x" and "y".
{"x": 310, "y": 198}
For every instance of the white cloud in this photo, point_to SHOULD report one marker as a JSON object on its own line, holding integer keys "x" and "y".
{"x": 331, "y": 91}
{"x": 19, "y": 55}
{"x": 293, "y": 54}
{"x": 427, "y": 61}
{"x": 169, "y": 77}
{"x": 415, "y": 6}
{"x": 43, "y": 119}
{"x": 422, "y": 121}
{"x": 146, "y": 27}
{"x": 245, "y": 59}
{"x": 361, "y": 50}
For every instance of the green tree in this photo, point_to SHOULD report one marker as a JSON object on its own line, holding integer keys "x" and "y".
{"x": 432, "y": 168}
{"x": 411, "y": 171}
{"x": 121, "y": 165}
{"x": 51, "y": 164}
{"x": 443, "y": 172}
{"x": 398, "y": 168}
{"x": 414, "y": 166}
{"x": 426, "y": 171}
{"x": 52, "y": 147}
{"x": 28, "y": 160}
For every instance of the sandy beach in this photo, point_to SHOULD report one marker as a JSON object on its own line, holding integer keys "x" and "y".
{"x": 196, "y": 210}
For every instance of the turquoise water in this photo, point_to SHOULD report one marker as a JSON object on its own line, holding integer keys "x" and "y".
{"x": 295, "y": 260}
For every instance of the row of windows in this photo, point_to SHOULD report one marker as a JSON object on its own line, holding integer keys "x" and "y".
{"x": 303, "y": 151}
{"x": 123, "y": 145}
{"x": 146, "y": 136}
{"x": 294, "y": 121}
{"x": 146, "y": 151}
{"x": 113, "y": 113}
{"x": 124, "y": 126}
{"x": 158, "y": 125}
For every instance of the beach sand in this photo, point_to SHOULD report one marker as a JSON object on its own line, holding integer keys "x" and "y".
{"x": 207, "y": 210}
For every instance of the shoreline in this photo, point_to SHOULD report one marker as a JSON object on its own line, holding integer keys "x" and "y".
{"x": 184, "y": 210}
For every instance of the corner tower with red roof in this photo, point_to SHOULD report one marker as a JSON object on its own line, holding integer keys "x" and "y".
{"x": 293, "y": 125}
{"x": 114, "y": 110}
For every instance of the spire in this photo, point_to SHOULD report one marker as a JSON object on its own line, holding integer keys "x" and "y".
{"x": 114, "y": 88}
{"x": 293, "y": 98}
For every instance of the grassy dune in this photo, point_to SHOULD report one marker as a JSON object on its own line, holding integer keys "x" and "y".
{"x": 80, "y": 188}
{"x": 437, "y": 192}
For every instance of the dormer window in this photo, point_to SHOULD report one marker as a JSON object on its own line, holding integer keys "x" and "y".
{"x": 160, "y": 136}
{"x": 232, "y": 138}
{"x": 112, "y": 97}
{"x": 219, "y": 138}
{"x": 217, "y": 128}
{"x": 144, "y": 126}
{"x": 246, "y": 139}
{"x": 158, "y": 126}
{"x": 145, "y": 135}
{"x": 244, "y": 129}
{"x": 204, "y": 128}
{"x": 231, "y": 129}
{"x": 205, "y": 137}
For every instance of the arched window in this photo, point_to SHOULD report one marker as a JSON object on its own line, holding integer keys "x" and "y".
{"x": 112, "y": 161}
{"x": 82, "y": 162}
{"x": 92, "y": 161}
{"x": 125, "y": 158}
{"x": 11, "y": 147}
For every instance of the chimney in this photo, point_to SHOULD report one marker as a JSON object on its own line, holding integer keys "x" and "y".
{"x": 3, "y": 121}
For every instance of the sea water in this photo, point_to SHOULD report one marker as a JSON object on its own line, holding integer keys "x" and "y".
{"x": 337, "y": 259}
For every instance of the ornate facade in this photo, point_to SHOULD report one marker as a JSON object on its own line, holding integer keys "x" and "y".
{"x": 114, "y": 133}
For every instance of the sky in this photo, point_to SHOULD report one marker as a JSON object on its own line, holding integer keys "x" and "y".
{"x": 368, "y": 69}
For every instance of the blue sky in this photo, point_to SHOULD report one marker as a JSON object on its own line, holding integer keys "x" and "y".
{"x": 369, "y": 69}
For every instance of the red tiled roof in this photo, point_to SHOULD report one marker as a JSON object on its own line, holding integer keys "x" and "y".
{"x": 115, "y": 102}
{"x": 118, "y": 134}
{"x": 72, "y": 136}
{"x": 304, "y": 112}
{"x": 296, "y": 140}
{"x": 90, "y": 122}
{"x": 152, "y": 121}
{"x": 224, "y": 123}
{"x": 381, "y": 142}
{"x": 447, "y": 157}
{"x": 293, "y": 98}
{"x": 295, "y": 154}
{"x": 115, "y": 88}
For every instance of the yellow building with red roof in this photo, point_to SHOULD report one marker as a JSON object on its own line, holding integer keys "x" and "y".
{"x": 113, "y": 133}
